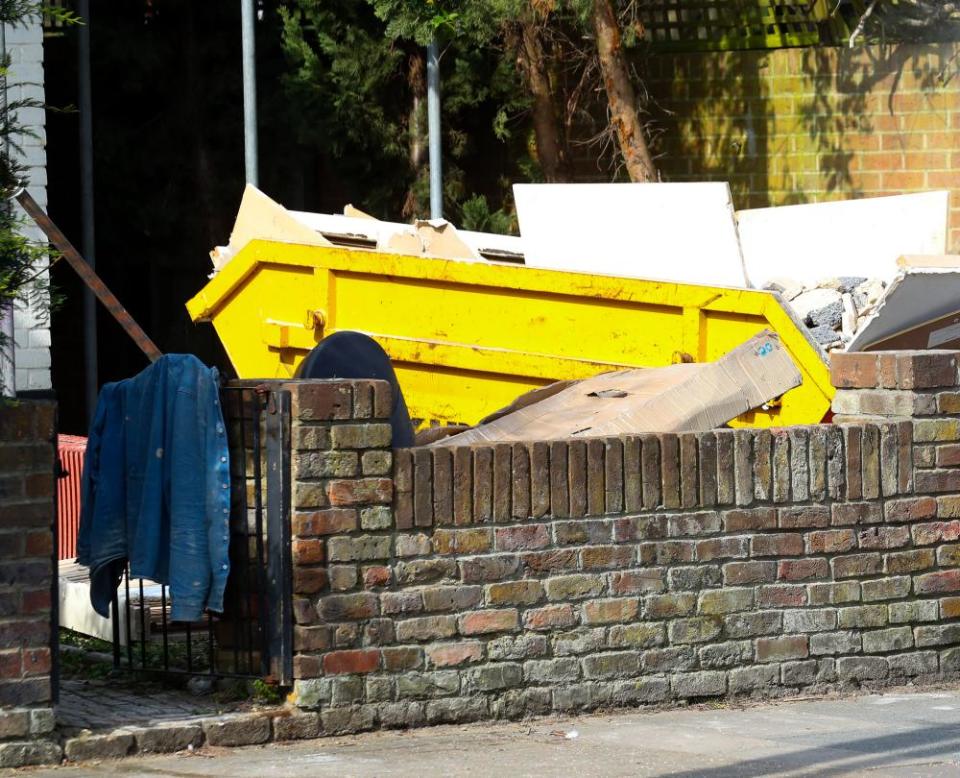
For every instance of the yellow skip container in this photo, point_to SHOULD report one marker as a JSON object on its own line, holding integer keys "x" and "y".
{"x": 467, "y": 337}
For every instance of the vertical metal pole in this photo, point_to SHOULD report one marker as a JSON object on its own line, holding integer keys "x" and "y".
{"x": 249, "y": 92}
{"x": 433, "y": 130}
{"x": 88, "y": 241}
{"x": 277, "y": 639}
{"x": 8, "y": 364}
{"x": 8, "y": 383}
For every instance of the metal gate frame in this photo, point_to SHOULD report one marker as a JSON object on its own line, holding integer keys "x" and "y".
{"x": 253, "y": 638}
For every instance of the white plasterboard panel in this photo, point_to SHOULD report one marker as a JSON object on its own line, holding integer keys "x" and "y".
{"x": 671, "y": 232}
{"x": 914, "y": 298}
{"x": 339, "y": 224}
{"x": 380, "y": 231}
{"x": 491, "y": 241}
{"x": 811, "y": 242}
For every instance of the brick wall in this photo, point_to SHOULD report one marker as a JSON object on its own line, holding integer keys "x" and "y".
{"x": 510, "y": 580}
{"x": 31, "y": 323}
{"x": 806, "y": 125}
{"x": 27, "y": 505}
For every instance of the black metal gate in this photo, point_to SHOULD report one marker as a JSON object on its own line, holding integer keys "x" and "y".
{"x": 253, "y": 637}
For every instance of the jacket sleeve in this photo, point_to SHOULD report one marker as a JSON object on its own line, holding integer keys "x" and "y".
{"x": 199, "y": 495}
{"x": 87, "y": 533}
{"x": 217, "y": 492}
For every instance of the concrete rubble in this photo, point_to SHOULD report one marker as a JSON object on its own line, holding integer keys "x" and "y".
{"x": 834, "y": 309}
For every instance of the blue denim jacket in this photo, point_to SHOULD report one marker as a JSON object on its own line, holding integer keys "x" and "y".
{"x": 156, "y": 487}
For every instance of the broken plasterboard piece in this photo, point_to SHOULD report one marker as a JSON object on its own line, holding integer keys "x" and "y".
{"x": 404, "y": 239}
{"x": 356, "y": 213}
{"x": 261, "y": 218}
{"x": 947, "y": 262}
{"x": 403, "y": 242}
{"x": 919, "y": 310}
{"x": 846, "y": 237}
{"x": 684, "y": 233}
{"x": 680, "y": 398}
{"x": 440, "y": 239}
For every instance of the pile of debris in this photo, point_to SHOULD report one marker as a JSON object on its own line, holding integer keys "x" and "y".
{"x": 834, "y": 309}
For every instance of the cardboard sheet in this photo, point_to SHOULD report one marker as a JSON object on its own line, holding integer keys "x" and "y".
{"x": 680, "y": 398}
{"x": 673, "y": 232}
{"x": 920, "y": 310}
{"x": 410, "y": 239}
{"x": 261, "y": 217}
{"x": 808, "y": 243}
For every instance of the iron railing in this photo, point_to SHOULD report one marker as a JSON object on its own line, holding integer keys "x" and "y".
{"x": 253, "y": 637}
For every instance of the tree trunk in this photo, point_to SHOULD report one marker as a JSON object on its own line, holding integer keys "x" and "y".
{"x": 416, "y": 81}
{"x": 621, "y": 97}
{"x": 418, "y": 90}
{"x": 546, "y": 125}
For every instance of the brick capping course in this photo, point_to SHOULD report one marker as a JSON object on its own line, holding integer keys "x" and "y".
{"x": 441, "y": 585}
{"x": 505, "y": 580}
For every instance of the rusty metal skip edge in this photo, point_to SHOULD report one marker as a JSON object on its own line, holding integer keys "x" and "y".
{"x": 88, "y": 276}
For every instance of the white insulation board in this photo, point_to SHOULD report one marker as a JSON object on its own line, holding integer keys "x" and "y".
{"x": 682, "y": 232}
{"x": 808, "y": 243}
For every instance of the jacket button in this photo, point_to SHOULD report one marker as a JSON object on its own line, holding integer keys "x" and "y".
{"x": 224, "y": 567}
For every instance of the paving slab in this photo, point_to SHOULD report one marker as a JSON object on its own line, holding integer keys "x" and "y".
{"x": 903, "y": 733}
{"x": 104, "y": 705}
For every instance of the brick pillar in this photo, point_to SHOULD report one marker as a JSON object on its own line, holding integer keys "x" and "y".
{"x": 923, "y": 386}
{"x": 342, "y": 544}
{"x": 27, "y": 569}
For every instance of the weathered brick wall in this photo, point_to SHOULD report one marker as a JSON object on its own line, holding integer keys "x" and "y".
{"x": 813, "y": 124}
{"x": 27, "y": 509}
{"x": 516, "y": 579}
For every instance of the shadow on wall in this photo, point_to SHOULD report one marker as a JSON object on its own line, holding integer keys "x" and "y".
{"x": 714, "y": 110}
{"x": 865, "y": 109}
{"x": 799, "y": 125}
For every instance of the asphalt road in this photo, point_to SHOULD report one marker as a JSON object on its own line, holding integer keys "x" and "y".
{"x": 896, "y": 734}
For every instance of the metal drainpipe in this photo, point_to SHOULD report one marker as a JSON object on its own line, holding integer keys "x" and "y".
{"x": 87, "y": 236}
{"x": 8, "y": 365}
{"x": 249, "y": 92}
{"x": 433, "y": 130}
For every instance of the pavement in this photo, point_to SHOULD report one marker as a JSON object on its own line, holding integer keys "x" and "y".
{"x": 106, "y": 705}
{"x": 900, "y": 733}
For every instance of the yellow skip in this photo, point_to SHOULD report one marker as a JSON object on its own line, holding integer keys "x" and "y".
{"x": 467, "y": 337}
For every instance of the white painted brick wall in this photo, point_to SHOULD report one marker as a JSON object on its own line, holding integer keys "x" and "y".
{"x": 31, "y": 329}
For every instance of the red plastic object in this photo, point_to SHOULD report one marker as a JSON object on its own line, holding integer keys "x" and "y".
{"x": 70, "y": 449}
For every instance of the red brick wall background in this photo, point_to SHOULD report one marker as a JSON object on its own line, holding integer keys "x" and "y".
{"x": 813, "y": 124}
